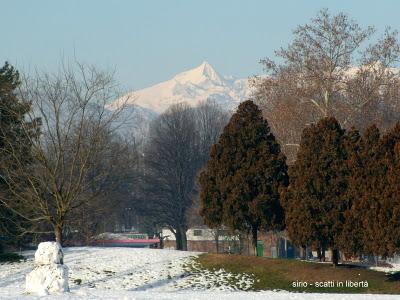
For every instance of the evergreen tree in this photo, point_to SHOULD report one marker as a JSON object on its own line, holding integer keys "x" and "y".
{"x": 363, "y": 192}
{"x": 315, "y": 200}
{"x": 373, "y": 223}
{"x": 13, "y": 142}
{"x": 246, "y": 169}
{"x": 381, "y": 203}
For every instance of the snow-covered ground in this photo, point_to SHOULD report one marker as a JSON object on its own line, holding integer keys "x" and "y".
{"x": 393, "y": 268}
{"x": 128, "y": 273}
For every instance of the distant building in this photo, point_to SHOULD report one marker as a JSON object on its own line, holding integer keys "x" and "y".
{"x": 204, "y": 239}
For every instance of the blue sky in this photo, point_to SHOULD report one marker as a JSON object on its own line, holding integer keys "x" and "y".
{"x": 149, "y": 41}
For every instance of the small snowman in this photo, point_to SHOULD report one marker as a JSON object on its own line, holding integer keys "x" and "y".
{"x": 49, "y": 275}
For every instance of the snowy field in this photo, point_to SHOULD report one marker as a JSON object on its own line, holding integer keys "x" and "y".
{"x": 128, "y": 273}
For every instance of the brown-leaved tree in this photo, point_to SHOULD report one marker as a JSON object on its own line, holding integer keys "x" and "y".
{"x": 315, "y": 199}
{"x": 246, "y": 169}
{"x": 330, "y": 70}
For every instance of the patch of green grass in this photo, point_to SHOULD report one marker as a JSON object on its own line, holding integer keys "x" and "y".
{"x": 10, "y": 257}
{"x": 281, "y": 274}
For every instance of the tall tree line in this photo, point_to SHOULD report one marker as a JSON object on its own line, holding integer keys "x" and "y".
{"x": 343, "y": 191}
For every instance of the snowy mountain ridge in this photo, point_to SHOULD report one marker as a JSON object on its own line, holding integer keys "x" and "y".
{"x": 193, "y": 87}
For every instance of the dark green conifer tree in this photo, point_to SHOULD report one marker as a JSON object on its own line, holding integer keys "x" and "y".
{"x": 315, "y": 200}
{"x": 381, "y": 203}
{"x": 14, "y": 144}
{"x": 245, "y": 172}
{"x": 362, "y": 192}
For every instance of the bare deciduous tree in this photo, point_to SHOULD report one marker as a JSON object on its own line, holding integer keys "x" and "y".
{"x": 171, "y": 164}
{"x": 321, "y": 73}
{"x": 116, "y": 162}
{"x": 177, "y": 148}
{"x": 71, "y": 107}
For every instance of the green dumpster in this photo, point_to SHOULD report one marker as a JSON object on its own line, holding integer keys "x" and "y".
{"x": 260, "y": 248}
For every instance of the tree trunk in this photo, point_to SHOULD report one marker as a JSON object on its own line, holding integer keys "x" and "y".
{"x": 254, "y": 239}
{"x": 160, "y": 236}
{"x": 335, "y": 257}
{"x": 303, "y": 253}
{"x": 178, "y": 239}
{"x": 286, "y": 248}
{"x": 319, "y": 253}
{"x": 58, "y": 233}
{"x": 216, "y": 237}
{"x": 184, "y": 240}
{"x": 241, "y": 244}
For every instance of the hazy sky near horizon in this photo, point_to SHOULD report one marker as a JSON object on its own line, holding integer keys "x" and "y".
{"x": 147, "y": 41}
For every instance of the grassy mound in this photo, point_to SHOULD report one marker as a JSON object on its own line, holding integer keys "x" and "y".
{"x": 300, "y": 276}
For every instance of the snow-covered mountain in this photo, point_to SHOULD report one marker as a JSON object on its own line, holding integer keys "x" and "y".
{"x": 193, "y": 86}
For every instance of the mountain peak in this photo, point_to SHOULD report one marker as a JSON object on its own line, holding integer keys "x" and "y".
{"x": 193, "y": 87}
{"x": 200, "y": 74}
{"x": 205, "y": 66}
